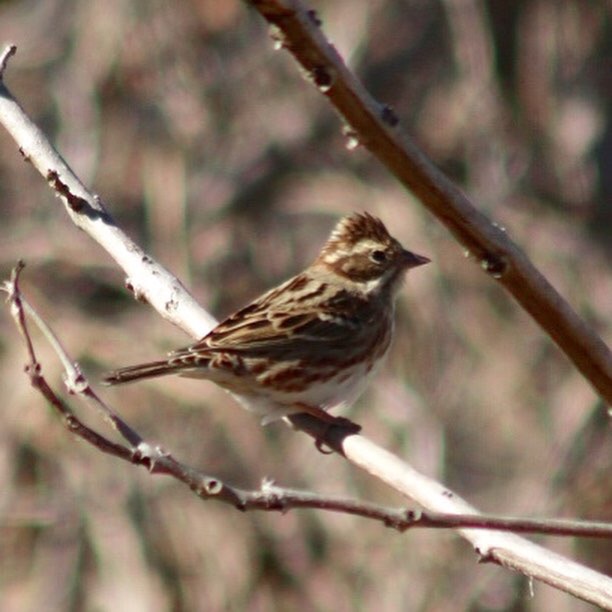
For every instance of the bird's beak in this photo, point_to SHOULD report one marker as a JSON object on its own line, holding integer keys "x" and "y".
{"x": 412, "y": 260}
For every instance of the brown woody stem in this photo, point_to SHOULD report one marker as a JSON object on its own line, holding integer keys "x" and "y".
{"x": 376, "y": 127}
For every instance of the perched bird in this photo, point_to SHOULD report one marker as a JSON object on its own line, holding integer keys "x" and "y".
{"x": 312, "y": 343}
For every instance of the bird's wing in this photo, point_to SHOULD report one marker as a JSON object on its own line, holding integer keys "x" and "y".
{"x": 287, "y": 319}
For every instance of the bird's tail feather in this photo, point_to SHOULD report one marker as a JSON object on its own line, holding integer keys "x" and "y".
{"x": 139, "y": 372}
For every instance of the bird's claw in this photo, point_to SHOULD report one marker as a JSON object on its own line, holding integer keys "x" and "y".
{"x": 350, "y": 427}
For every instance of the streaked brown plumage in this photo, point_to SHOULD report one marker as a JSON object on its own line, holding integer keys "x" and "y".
{"x": 311, "y": 343}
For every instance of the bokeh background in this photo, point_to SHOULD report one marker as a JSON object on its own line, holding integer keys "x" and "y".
{"x": 217, "y": 156}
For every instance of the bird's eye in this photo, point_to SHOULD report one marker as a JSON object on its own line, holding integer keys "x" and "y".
{"x": 378, "y": 256}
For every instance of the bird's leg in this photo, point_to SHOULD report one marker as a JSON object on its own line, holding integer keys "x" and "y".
{"x": 330, "y": 421}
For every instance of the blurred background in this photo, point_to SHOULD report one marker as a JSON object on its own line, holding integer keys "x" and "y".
{"x": 213, "y": 152}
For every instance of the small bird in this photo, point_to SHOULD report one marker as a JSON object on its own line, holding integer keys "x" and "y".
{"x": 312, "y": 343}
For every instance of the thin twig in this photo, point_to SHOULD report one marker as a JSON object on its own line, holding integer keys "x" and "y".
{"x": 75, "y": 381}
{"x": 269, "y": 497}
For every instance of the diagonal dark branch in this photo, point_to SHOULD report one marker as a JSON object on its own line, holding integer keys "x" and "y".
{"x": 375, "y": 126}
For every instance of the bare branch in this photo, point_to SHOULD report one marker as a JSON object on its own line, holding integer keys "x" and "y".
{"x": 148, "y": 280}
{"x": 269, "y": 497}
{"x": 376, "y": 126}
